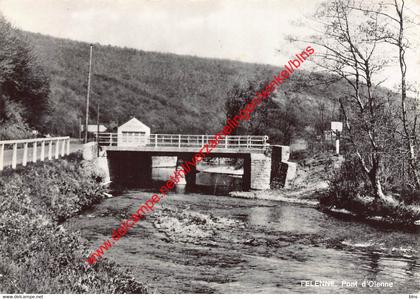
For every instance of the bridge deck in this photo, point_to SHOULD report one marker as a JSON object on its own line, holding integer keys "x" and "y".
{"x": 169, "y": 149}
{"x": 180, "y": 143}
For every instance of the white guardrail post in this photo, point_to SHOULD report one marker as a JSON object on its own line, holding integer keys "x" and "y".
{"x": 63, "y": 148}
{"x": 42, "y": 151}
{"x": 25, "y": 154}
{"x": 57, "y": 149}
{"x": 68, "y": 147}
{"x": 34, "y": 152}
{"x": 1, "y": 156}
{"x": 50, "y": 150}
{"x": 14, "y": 156}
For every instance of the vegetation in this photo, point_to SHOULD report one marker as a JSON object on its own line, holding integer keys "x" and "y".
{"x": 380, "y": 129}
{"x": 283, "y": 115}
{"x": 173, "y": 93}
{"x": 350, "y": 190}
{"x": 38, "y": 254}
{"x": 169, "y": 93}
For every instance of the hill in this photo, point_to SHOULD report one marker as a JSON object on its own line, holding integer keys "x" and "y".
{"x": 168, "y": 92}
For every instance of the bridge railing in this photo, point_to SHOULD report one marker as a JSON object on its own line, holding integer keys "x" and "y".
{"x": 26, "y": 150}
{"x": 179, "y": 140}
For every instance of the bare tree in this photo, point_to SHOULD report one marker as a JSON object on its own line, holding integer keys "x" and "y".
{"x": 350, "y": 51}
{"x": 394, "y": 18}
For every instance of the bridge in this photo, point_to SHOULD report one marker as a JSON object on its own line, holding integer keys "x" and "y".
{"x": 21, "y": 152}
{"x": 129, "y": 157}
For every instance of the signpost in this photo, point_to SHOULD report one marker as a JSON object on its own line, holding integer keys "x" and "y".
{"x": 337, "y": 127}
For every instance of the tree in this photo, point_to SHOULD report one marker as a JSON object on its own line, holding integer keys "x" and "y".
{"x": 237, "y": 98}
{"x": 12, "y": 126}
{"x": 276, "y": 117}
{"x": 350, "y": 52}
{"x": 234, "y": 103}
{"x": 393, "y": 19}
{"x": 58, "y": 109}
{"x": 23, "y": 82}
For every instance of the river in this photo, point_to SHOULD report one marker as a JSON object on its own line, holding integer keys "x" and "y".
{"x": 198, "y": 243}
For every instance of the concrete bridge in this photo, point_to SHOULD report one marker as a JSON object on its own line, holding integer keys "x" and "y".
{"x": 130, "y": 157}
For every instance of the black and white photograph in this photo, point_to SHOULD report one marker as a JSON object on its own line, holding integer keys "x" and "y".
{"x": 240, "y": 147}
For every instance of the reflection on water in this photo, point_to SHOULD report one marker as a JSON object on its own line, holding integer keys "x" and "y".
{"x": 273, "y": 248}
{"x": 206, "y": 182}
{"x": 162, "y": 173}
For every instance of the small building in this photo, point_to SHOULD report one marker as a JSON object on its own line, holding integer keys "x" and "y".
{"x": 94, "y": 128}
{"x": 133, "y": 133}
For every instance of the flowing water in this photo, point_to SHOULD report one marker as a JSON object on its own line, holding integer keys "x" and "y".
{"x": 196, "y": 243}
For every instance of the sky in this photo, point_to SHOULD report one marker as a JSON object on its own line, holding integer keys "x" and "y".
{"x": 244, "y": 30}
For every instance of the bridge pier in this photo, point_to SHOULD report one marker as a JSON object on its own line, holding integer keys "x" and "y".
{"x": 191, "y": 177}
{"x": 260, "y": 171}
{"x": 283, "y": 171}
{"x": 246, "y": 177}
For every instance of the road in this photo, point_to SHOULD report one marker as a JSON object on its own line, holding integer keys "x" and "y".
{"x": 75, "y": 145}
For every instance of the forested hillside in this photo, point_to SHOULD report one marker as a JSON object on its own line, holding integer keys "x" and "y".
{"x": 24, "y": 87}
{"x": 170, "y": 93}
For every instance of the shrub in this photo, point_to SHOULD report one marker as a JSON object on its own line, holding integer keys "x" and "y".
{"x": 37, "y": 254}
{"x": 345, "y": 184}
{"x": 349, "y": 189}
{"x": 407, "y": 195}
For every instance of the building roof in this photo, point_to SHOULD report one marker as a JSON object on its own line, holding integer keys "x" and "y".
{"x": 94, "y": 128}
{"x": 135, "y": 124}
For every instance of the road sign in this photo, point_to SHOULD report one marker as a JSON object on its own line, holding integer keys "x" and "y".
{"x": 336, "y": 126}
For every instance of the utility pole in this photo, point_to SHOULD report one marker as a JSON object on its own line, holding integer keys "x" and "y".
{"x": 322, "y": 108}
{"x": 80, "y": 128}
{"x": 88, "y": 95}
{"x": 97, "y": 129}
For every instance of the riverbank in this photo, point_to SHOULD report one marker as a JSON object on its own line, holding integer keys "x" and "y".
{"x": 38, "y": 254}
{"x": 312, "y": 188}
{"x": 199, "y": 243}
{"x": 310, "y": 183}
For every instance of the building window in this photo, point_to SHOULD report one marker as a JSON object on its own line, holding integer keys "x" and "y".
{"x": 132, "y": 137}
